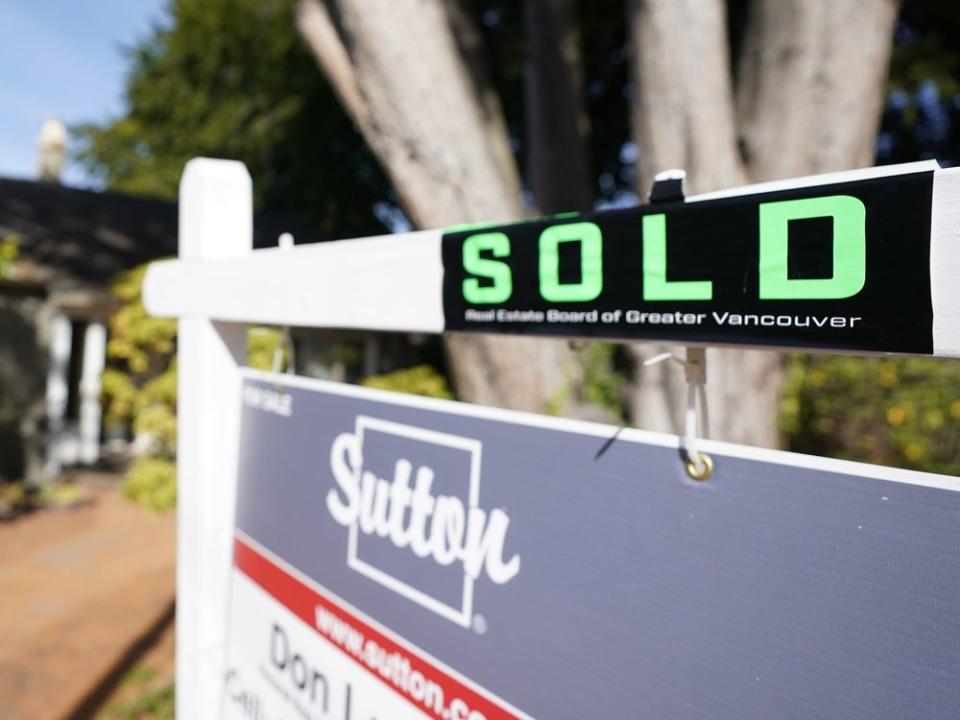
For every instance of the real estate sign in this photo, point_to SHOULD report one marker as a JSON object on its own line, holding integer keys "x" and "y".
{"x": 401, "y": 557}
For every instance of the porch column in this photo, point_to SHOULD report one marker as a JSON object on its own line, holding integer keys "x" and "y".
{"x": 57, "y": 390}
{"x": 94, "y": 356}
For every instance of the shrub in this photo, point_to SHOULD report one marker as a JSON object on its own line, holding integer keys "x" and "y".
{"x": 902, "y": 412}
{"x": 139, "y": 388}
{"x": 418, "y": 380}
{"x": 139, "y": 391}
{"x": 9, "y": 252}
{"x": 152, "y": 483}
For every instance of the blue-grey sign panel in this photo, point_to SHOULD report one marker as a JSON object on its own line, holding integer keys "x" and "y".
{"x": 553, "y": 569}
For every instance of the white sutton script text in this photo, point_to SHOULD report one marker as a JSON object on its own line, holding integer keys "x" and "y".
{"x": 379, "y": 508}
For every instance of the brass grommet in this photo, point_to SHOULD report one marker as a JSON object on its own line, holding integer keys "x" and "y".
{"x": 699, "y": 469}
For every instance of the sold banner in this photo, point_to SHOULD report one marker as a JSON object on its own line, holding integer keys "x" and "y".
{"x": 399, "y": 557}
{"x": 865, "y": 261}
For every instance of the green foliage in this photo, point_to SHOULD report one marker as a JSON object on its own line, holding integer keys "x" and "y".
{"x": 880, "y": 410}
{"x": 418, "y": 380}
{"x": 139, "y": 388}
{"x": 262, "y": 346}
{"x": 9, "y": 252}
{"x": 152, "y": 702}
{"x": 139, "y": 391}
{"x": 601, "y": 384}
{"x": 231, "y": 78}
{"x": 15, "y": 498}
{"x": 138, "y": 342}
{"x": 926, "y": 47}
{"x": 156, "y": 406}
{"x": 152, "y": 483}
{"x": 63, "y": 495}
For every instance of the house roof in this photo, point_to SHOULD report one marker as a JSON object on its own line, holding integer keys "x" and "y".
{"x": 82, "y": 237}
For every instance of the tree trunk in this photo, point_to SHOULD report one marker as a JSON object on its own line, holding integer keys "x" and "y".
{"x": 812, "y": 75}
{"x": 808, "y": 100}
{"x": 439, "y": 131}
{"x": 557, "y": 154}
{"x": 682, "y": 106}
{"x": 558, "y": 166}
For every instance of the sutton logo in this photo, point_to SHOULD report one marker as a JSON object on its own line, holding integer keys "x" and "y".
{"x": 428, "y": 510}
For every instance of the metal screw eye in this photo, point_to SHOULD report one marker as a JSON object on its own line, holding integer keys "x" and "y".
{"x": 699, "y": 468}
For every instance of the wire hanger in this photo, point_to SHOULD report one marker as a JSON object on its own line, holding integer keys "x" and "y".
{"x": 668, "y": 187}
{"x": 698, "y": 464}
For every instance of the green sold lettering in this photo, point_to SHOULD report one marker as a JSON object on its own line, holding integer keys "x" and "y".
{"x": 591, "y": 262}
{"x": 655, "y": 283}
{"x": 498, "y": 273}
{"x": 847, "y": 213}
{"x": 849, "y": 248}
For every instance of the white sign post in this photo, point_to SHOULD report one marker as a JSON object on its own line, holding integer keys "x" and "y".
{"x": 216, "y": 222}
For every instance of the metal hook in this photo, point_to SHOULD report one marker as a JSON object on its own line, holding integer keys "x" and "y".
{"x": 698, "y": 465}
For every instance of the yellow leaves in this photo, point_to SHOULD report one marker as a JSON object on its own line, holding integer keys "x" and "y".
{"x": 418, "y": 380}
{"x": 155, "y": 412}
{"x": 933, "y": 419}
{"x": 914, "y": 451}
{"x": 152, "y": 482}
{"x": 903, "y": 412}
{"x": 163, "y": 388}
{"x": 9, "y": 252}
{"x": 888, "y": 374}
{"x": 158, "y": 422}
{"x": 119, "y": 396}
{"x": 135, "y": 336}
{"x": 896, "y": 415}
{"x": 139, "y": 388}
{"x": 127, "y": 286}
{"x": 262, "y": 344}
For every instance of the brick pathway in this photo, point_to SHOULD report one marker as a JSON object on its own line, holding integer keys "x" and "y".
{"x": 78, "y": 591}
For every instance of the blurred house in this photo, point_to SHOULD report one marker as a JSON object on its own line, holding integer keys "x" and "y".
{"x": 60, "y": 249}
{"x": 64, "y": 246}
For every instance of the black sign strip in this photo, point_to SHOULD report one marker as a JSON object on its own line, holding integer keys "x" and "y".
{"x": 839, "y": 263}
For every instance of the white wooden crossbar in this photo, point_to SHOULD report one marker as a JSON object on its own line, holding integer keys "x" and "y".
{"x": 392, "y": 282}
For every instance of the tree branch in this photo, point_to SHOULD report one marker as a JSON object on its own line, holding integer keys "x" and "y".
{"x": 316, "y": 27}
{"x": 421, "y": 113}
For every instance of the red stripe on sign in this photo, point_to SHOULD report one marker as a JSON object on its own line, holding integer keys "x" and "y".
{"x": 429, "y": 688}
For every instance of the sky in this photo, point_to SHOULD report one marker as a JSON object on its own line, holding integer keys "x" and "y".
{"x": 63, "y": 58}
